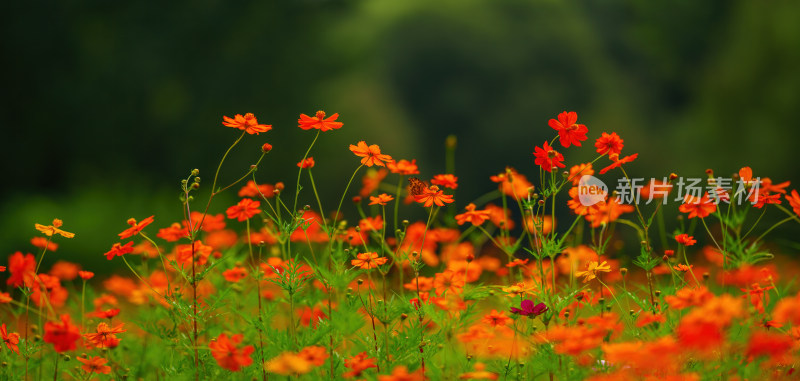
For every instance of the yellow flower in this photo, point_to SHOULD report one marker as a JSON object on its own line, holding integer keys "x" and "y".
{"x": 53, "y": 229}
{"x": 592, "y": 269}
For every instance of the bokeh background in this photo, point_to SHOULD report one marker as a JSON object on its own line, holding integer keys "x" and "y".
{"x": 107, "y": 105}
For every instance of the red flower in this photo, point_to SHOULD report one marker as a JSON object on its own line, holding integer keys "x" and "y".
{"x": 247, "y": 123}
{"x": 319, "y": 122}
{"x": 618, "y": 162}
{"x": 569, "y": 132}
{"x": 701, "y": 207}
{"x": 371, "y": 154}
{"x": 228, "y": 354}
{"x": 609, "y": 144}
{"x": 119, "y": 250}
{"x": 548, "y": 158}
{"x": 382, "y": 199}
{"x": 21, "y": 269}
{"x": 135, "y": 227}
{"x": 235, "y": 274}
{"x": 11, "y": 339}
{"x": 307, "y": 163}
{"x": 404, "y": 167}
{"x": 62, "y": 335}
{"x": 685, "y": 239}
{"x": 794, "y": 201}
{"x": 244, "y": 210}
{"x": 476, "y": 217}
{"x": 446, "y": 180}
{"x": 432, "y": 195}
{"x": 96, "y": 364}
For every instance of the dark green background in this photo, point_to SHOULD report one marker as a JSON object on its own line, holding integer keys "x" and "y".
{"x": 107, "y": 105}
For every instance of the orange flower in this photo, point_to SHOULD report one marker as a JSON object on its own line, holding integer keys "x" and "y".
{"x": 701, "y": 207}
{"x": 315, "y": 354}
{"x": 688, "y": 297}
{"x": 105, "y": 337}
{"x": 403, "y": 167}
{"x": 685, "y": 239}
{"x": 448, "y": 280}
{"x": 480, "y": 373}
{"x": 357, "y": 364}
{"x": 382, "y": 199}
{"x": 424, "y": 283}
{"x": 49, "y": 230}
{"x": 578, "y": 171}
{"x": 371, "y": 224}
{"x": 228, "y": 353}
{"x": 247, "y": 123}
{"x": 607, "y": 211}
{"x": 64, "y": 270}
{"x": 10, "y": 339}
{"x": 368, "y": 261}
{"x": 618, "y": 162}
{"x": 319, "y": 122}
{"x": 135, "y": 227}
{"x": 646, "y": 318}
{"x": 244, "y": 210}
{"x": 499, "y": 216}
{"x": 496, "y": 319}
{"x": 371, "y": 154}
{"x": 513, "y": 184}
{"x": 548, "y": 158}
{"x": 569, "y": 132}
{"x": 446, "y": 180}
{"x": 609, "y": 144}
{"x": 682, "y": 268}
{"x": 96, "y": 364}
{"x": 119, "y": 250}
{"x": 251, "y": 189}
{"x": 592, "y": 269}
{"x": 287, "y": 364}
{"x": 86, "y": 275}
{"x": 432, "y": 195}
{"x": 42, "y": 243}
{"x": 476, "y": 217}
{"x": 372, "y": 180}
{"x": 62, "y": 335}
{"x": 400, "y": 373}
{"x": 211, "y": 222}
{"x": 173, "y": 233}
{"x": 307, "y": 163}
{"x": 235, "y": 274}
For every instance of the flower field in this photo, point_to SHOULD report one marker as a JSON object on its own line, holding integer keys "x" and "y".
{"x": 547, "y": 276}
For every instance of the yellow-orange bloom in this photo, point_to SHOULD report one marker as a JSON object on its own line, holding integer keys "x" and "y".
{"x": 247, "y": 123}
{"x": 49, "y": 230}
{"x": 592, "y": 269}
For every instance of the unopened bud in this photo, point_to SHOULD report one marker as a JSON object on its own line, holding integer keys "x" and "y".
{"x": 306, "y": 207}
{"x": 706, "y": 276}
{"x": 195, "y": 172}
{"x": 360, "y": 282}
{"x": 356, "y": 199}
{"x": 623, "y": 271}
{"x": 541, "y": 202}
{"x": 451, "y": 141}
{"x": 658, "y": 293}
{"x": 565, "y": 174}
{"x": 673, "y": 176}
{"x": 266, "y": 147}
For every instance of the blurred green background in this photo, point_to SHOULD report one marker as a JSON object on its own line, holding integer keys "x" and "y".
{"x": 107, "y": 105}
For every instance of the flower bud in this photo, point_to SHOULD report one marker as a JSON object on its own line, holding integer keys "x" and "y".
{"x": 623, "y": 271}
{"x": 195, "y": 172}
{"x": 356, "y": 199}
{"x": 673, "y": 176}
{"x": 658, "y": 293}
{"x": 266, "y": 147}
